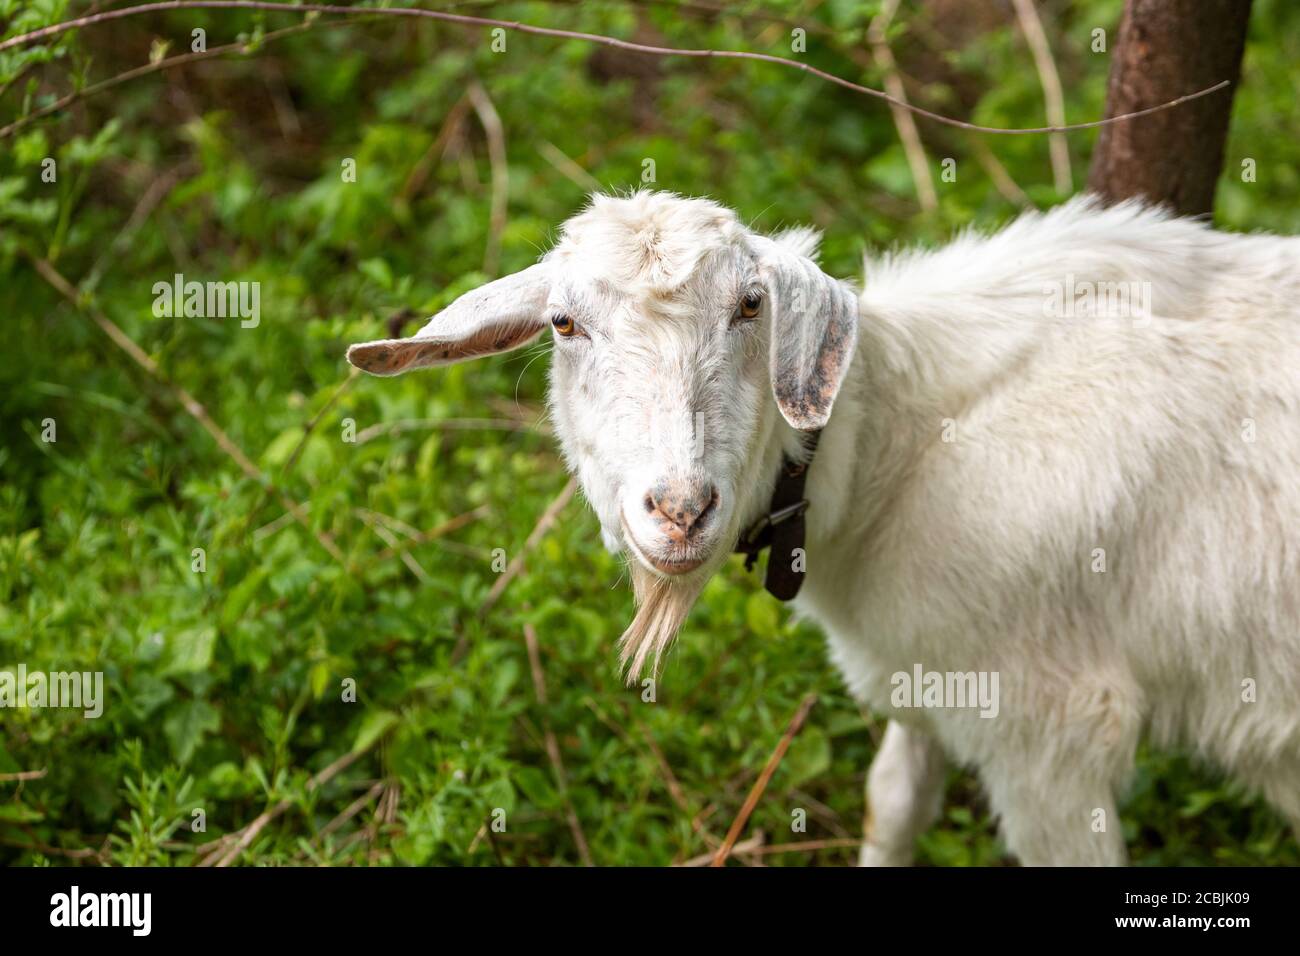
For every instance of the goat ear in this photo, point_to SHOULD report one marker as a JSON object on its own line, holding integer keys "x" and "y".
{"x": 814, "y": 328}
{"x": 502, "y": 315}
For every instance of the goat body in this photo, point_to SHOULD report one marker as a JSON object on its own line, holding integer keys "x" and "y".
{"x": 1101, "y": 508}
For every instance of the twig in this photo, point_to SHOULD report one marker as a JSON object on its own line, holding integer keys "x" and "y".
{"x": 390, "y": 539}
{"x": 568, "y": 167}
{"x": 294, "y": 455}
{"x": 158, "y": 190}
{"x": 1002, "y": 180}
{"x": 473, "y": 844}
{"x": 152, "y": 198}
{"x": 16, "y": 79}
{"x": 330, "y": 402}
{"x": 83, "y": 853}
{"x": 271, "y": 527}
{"x": 174, "y": 61}
{"x": 184, "y": 398}
{"x": 674, "y": 785}
{"x": 903, "y": 120}
{"x": 23, "y": 775}
{"x": 553, "y": 746}
{"x": 126, "y": 344}
{"x": 424, "y": 166}
{"x": 394, "y": 524}
{"x": 706, "y": 859}
{"x": 424, "y": 537}
{"x": 805, "y": 846}
{"x": 351, "y": 811}
{"x": 544, "y": 523}
{"x": 244, "y": 836}
{"x": 59, "y": 28}
{"x": 719, "y": 662}
{"x": 827, "y": 815}
{"x": 760, "y": 784}
{"x": 282, "y": 100}
{"x": 1032, "y": 27}
{"x": 491, "y": 120}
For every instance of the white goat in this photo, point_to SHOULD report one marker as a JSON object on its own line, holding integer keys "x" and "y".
{"x": 1063, "y": 467}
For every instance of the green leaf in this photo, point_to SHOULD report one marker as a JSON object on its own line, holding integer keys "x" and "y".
{"x": 809, "y": 756}
{"x": 534, "y": 784}
{"x": 373, "y": 726}
{"x": 761, "y": 615}
{"x": 278, "y": 452}
{"x": 186, "y": 725}
{"x": 19, "y": 813}
{"x": 378, "y": 271}
{"x": 191, "y": 650}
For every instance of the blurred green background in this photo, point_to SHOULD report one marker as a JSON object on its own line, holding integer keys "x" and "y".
{"x": 225, "y": 687}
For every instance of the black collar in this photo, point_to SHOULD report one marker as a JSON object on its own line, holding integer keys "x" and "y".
{"x": 782, "y": 528}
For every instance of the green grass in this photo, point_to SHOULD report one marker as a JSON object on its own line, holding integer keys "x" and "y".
{"x": 226, "y": 687}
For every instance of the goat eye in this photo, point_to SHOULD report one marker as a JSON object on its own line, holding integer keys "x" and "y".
{"x": 564, "y": 325}
{"x": 749, "y": 306}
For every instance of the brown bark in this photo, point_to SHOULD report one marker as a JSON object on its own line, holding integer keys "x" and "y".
{"x": 1166, "y": 49}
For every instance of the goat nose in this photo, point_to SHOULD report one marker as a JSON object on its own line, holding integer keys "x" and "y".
{"x": 685, "y": 506}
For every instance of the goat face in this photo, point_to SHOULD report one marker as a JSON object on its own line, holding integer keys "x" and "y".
{"x": 672, "y": 324}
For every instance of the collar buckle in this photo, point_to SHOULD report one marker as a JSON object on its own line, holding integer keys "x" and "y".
{"x": 788, "y": 512}
{"x": 759, "y": 535}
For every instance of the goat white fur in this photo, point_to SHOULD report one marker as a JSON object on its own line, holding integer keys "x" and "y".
{"x": 1100, "y": 509}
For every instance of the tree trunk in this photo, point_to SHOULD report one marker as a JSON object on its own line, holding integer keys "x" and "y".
{"x": 1166, "y": 49}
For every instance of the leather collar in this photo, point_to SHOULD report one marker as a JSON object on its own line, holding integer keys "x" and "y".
{"x": 782, "y": 528}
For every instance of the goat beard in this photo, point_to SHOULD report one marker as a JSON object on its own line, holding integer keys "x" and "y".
{"x": 662, "y": 606}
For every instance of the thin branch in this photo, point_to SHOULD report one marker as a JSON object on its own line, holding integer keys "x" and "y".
{"x": 752, "y": 845}
{"x": 903, "y": 120}
{"x": 548, "y": 518}
{"x": 60, "y": 28}
{"x": 425, "y": 165}
{"x": 330, "y": 402}
{"x": 390, "y": 539}
{"x": 141, "y": 358}
{"x": 719, "y": 662}
{"x": 353, "y": 809}
{"x": 218, "y": 855}
{"x": 182, "y": 397}
{"x": 292, "y": 461}
{"x": 1002, "y": 180}
{"x": 22, "y": 775}
{"x": 674, "y": 787}
{"x": 496, "y": 137}
{"x": 568, "y": 167}
{"x": 544, "y": 523}
{"x": 553, "y": 746}
{"x": 271, "y": 527}
{"x": 673, "y": 784}
{"x": 804, "y": 846}
{"x": 424, "y": 537}
{"x": 48, "y": 850}
{"x": 1032, "y": 27}
{"x": 179, "y": 60}
{"x": 158, "y": 190}
{"x": 15, "y": 79}
{"x": 738, "y": 825}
